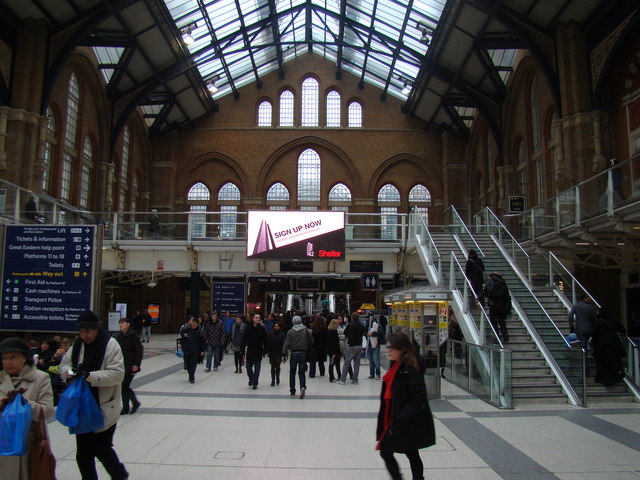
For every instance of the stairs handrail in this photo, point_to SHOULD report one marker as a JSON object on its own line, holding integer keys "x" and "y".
{"x": 514, "y": 242}
{"x": 416, "y": 214}
{"x": 574, "y": 281}
{"x": 484, "y": 316}
{"x": 457, "y": 216}
{"x": 528, "y": 286}
{"x": 575, "y": 398}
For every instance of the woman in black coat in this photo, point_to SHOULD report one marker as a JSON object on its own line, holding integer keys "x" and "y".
{"x": 319, "y": 332}
{"x": 405, "y": 423}
{"x": 474, "y": 270}
{"x": 276, "y": 342}
{"x": 333, "y": 350}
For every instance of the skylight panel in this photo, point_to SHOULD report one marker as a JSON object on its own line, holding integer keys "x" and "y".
{"x": 108, "y": 56}
{"x": 283, "y": 5}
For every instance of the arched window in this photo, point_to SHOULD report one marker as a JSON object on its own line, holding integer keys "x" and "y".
{"x": 286, "y": 109}
{"x": 198, "y": 201}
{"x": 228, "y": 200}
{"x": 388, "y": 202}
{"x": 135, "y": 191}
{"x": 333, "y": 109}
{"x": 124, "y": 169}
{"x": 71, "y": 126}
{"x": 420, "y": 198}
{"x": 85, "y": 174}
{"x": 340, "y": 201}
{"x": 355, "y": 115}
{"x": 50, "y": 141}
{"x": 310, "y": 101}
{"x": 339, "y": 193}
{"x": 535, "y": 117}
{"x": 522, "y": 170}
{"x": 264, "y": 114}
{"x": 278, "y": 197}
{"x": 308, "y": 178}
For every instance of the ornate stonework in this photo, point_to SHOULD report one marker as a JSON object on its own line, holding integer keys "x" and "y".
{"x": 601, "y": 53}
{"x": 5, "y": 62}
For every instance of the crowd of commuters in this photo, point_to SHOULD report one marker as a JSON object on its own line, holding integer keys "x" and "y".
{"x": 310, "y": 344}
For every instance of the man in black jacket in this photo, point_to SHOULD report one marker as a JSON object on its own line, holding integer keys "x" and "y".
{"x": 193, "y": 344}
{"x": 353, "y": 335}
{"x": 257, "y": 345}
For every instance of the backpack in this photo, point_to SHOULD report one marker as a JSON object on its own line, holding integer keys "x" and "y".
{"x": 498, "y": 293}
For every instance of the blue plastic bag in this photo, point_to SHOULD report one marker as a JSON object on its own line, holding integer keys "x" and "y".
{"x": 14, "y": 427}
{"x": 179, "y": 353}
{"x": 78, "y": 409}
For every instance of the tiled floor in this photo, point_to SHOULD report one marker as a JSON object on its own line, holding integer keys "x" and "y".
{"x": 220, "y": 428}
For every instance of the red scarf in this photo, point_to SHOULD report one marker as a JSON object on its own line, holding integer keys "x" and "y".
{"x": 388, "y": 390}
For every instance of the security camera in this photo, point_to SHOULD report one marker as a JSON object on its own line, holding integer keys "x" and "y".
{"x": 152, "y": 284}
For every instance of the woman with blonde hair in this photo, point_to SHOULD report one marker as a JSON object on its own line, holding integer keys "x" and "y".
{"x": 405, "y": 423}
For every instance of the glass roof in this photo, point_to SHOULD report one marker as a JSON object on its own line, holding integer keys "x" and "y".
{"x": 235, "y": 42}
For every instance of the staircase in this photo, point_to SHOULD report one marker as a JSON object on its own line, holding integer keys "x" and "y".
{"x": 532, "y": 379}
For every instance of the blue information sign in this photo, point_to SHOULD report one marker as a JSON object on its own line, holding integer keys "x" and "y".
{"x": 47, "y": 277}
{"x": 228, "y": 296}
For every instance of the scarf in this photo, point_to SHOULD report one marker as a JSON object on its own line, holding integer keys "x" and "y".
{"x": 387, "y": 396}
{"x": 93, "y": 356}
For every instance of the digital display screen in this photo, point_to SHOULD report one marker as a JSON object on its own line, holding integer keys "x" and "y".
{"x": 299, "y": 235}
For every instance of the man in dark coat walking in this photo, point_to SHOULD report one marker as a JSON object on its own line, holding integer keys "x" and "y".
{"x": 193, "y": 345}
{"x": 582, "y": 320}
{"x": 257, "y": 345}
{"x": 497, "y": 292}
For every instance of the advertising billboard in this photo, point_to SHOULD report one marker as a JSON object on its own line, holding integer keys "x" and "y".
{"x": 282, "y": 235}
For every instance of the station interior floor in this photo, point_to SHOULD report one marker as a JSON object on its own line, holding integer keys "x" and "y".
{"x": 220, "y": 428}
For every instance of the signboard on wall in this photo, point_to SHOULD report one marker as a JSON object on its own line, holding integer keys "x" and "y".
{"x": 516, "y": 204}
{"x": 284, "y": 235}
{"x": 47, "y": 277}
{"x": 228, "y": 296}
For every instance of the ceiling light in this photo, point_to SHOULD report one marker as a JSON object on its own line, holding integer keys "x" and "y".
{"x": 211, "y": 86}
{"x": 406, "y": 90}
{"x": 187, "y": 38}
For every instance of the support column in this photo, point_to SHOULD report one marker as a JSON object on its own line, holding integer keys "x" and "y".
{"x": 194, "y": 287}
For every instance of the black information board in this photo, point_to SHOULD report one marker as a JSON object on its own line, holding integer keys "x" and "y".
{"x": 365, "y": 266}
{"x": 228, "y": 296}
{"x": 47, "y": 278}
{"x": 296, "y": 266}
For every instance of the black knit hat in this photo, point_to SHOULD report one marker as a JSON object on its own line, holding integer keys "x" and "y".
{"x": 14, "y": 344}
{"x": 88, "y": 319}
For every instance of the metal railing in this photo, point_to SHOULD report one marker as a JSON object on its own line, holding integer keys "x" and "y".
{"x": 493, "y": 225}
{"x": 608, "y": 192}
{"x": 632, "y": 366}
{"x": 464, "y": 367}
{"x": 456, "y": 271}
{"x": 562, "y": 279}
{"x": 458, "y": 226}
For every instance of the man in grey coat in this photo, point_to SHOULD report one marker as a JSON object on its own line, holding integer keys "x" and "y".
{"x": 582, "y": 319}
{"x": 298, "y": 340}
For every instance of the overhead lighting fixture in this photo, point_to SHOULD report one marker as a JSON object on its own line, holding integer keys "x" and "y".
{"x": 187, "y": 38}
{"x": 211, "y": 86}
{"x": 406, "y": 90}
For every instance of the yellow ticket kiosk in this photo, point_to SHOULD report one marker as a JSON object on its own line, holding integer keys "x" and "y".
{"x": 422, "y": 313}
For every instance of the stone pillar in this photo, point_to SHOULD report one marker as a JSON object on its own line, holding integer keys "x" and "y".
{"x": 4, "y": 120}
{"x": 505, "y": 185}
{"x": 557, "y": 156}
{"x": 30, "y": 63}
{"x": 578, "y": 152}
{"x": 22, "y": 147}
{"x": 109, "y": 170}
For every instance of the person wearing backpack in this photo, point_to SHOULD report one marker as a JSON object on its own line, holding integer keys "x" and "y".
{"x": 499, "y": 299}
